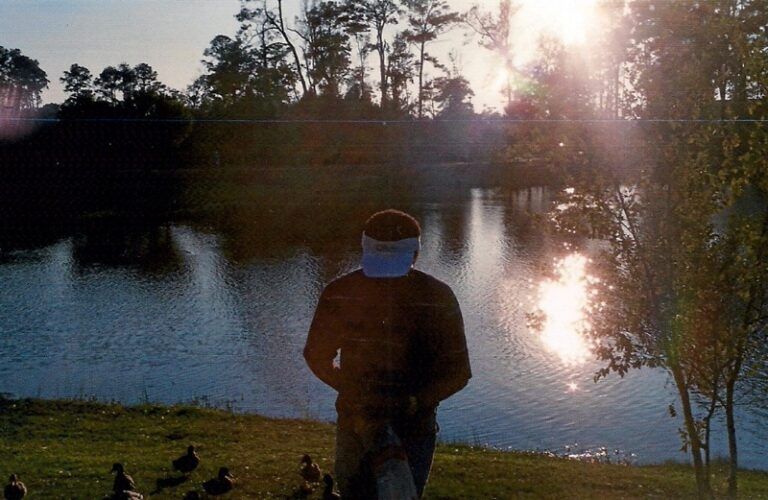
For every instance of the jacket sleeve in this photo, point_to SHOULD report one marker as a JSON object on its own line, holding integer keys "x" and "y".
{"x": 450, "y": 359}
{"x": 323, "y": 341}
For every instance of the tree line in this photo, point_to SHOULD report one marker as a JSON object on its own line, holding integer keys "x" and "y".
{"x": 252, "y": 108}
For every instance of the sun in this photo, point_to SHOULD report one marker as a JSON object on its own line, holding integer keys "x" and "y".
{"x": 570, "y": 21}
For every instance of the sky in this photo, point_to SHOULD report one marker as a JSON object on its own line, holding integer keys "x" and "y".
{"x": 171, "y": 35}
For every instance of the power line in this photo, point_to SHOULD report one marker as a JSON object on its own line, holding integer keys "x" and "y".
{"x": 383, "y": 121}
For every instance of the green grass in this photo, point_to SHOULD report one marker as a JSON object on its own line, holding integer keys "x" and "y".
{"x": 66, "y": 449}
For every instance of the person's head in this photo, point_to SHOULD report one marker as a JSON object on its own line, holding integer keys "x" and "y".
{"x": 391, "y": 225}
{"x": 391, "y": 243}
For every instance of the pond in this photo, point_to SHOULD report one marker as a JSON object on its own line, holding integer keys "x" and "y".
{"x": 218, "y": 315}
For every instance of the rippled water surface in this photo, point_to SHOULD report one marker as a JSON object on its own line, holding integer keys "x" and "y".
{"x": 187, "y": 313}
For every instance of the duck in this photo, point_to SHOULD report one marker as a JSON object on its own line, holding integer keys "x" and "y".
{"x": 310, "y": 471}
{"x": 123, "y": 482}
{"x": 328, "y": 493}
{"x": 15, "y": 489}
{"x": 187, "y": 462}
{"x": 221, "y": 484}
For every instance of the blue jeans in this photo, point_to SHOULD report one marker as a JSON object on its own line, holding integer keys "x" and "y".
{"x": 353, "y": 472}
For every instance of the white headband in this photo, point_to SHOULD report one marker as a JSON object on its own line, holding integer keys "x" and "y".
{"x": 388, "y": 259}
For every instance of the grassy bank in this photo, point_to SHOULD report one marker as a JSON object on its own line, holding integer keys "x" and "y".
{"x": 66, "y": 449}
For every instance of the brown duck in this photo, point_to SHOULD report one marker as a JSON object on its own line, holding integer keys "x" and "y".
{"x": 221, "y": 484}
{"x": 187, "y": 462}
{"x": 124, "y": 486}
{"x": 15, "y": 489}
{"x": 310, "y": 471}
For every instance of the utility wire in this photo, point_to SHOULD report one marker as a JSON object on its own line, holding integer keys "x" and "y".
{"x": 384, "y": 121}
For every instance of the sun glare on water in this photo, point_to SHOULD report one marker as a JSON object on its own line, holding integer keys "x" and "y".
{"x": 564, "y": 302}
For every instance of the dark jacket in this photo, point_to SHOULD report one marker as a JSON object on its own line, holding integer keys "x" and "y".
{"x": 397, "y": 338}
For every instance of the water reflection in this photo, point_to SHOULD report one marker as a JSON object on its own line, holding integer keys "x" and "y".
{"x": 564, "y": 303}
{"x": 120, "y": 243}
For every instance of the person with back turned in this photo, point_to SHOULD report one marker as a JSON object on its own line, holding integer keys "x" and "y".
{"x": 399, "y": 337}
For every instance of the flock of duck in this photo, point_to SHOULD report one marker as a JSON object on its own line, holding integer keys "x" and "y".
{"x": 124, "y": 487}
